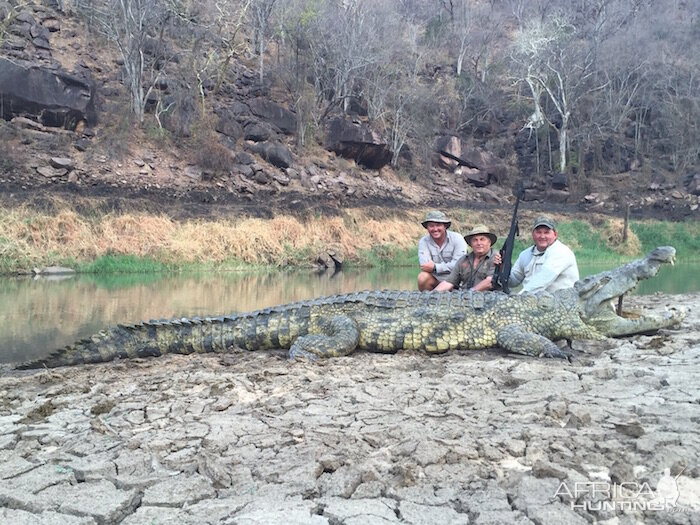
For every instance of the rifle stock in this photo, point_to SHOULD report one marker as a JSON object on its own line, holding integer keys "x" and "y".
{"x": 501, "y": 274}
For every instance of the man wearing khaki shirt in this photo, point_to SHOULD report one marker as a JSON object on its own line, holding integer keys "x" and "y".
{"x": 438, "y": 251}
{"x": 474, "y": 270}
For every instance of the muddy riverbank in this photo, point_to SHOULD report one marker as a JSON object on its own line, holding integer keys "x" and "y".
{"x": 480, "y": 437}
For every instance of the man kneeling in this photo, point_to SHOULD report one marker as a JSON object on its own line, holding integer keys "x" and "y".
{"x": 474, "y": 270}
{"x": 438, "y": 251}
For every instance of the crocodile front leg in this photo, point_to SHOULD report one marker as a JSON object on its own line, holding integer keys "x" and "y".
{"x": 339, "y": 336}
{"x": 516, "y": 338}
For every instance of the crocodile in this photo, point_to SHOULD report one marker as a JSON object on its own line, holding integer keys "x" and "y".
{"x": 390, "y": 321}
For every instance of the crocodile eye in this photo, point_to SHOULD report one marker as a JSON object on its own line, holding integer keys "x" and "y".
{"x": 545, "y": 301}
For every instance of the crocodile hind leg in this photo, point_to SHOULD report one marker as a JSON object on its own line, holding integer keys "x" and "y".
{"x": 339, "y": 336}
{"x": 515, "y": 338}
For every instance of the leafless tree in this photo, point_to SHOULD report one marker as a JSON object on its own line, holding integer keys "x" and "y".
{"x": 399, "y": 101}
{"x": 136, "y": 27}
{"x": 229, "y": 20}
{"x": 261, "y": 10}
{"x": 556, "y": 60}
{"x": 349, "y": 32}
{"x": 297, "y": 24}
{"x": 476, "y": 27}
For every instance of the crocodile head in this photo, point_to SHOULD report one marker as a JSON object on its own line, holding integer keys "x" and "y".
{"x": 598, "y": 296}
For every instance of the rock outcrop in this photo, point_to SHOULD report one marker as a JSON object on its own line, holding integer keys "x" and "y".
{"x": 357, "y": 141}
{"x": 273, "y": 113}
{"x": 54, "y": 97}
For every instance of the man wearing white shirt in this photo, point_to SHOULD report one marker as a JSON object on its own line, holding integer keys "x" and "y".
{"x": 549, "y": 265}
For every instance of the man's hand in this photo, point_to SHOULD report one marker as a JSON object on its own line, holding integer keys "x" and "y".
{"x": 444, "y": 286}
{"x": 428, "y": 267}
{"x": 497, "y": 258}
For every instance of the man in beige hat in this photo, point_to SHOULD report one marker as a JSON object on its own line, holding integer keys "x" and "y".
{"x": 474, "y": 270}
{"x": 438, "y": 251}
{"x": 549, "y": 265}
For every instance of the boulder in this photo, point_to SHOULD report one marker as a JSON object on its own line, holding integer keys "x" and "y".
{"x": 243, "y": 169}
{"x": 273, "y": 152}
{"x": 491, "y": 169}
{"x": 14, "y": 43}
{"x": 54, "y": 97}
{"x": 330, "y": 258}
{"x": 558, "y": 196}
{"x": 39, "y": 31}
{"x": 53, "y": 25}
{"x": 62, "y": 163}
{"x": 560, "y": 181}
{"x": 25, "y": 17}
{"x": 532, "y": 195}
{"x": 476, "y": 177}
{"x": 692, "y": 183}
{"x": 5, "y": 9}
{"x": 193, "y": 172}
{"x": 357, "y": 141}
{"x": 452, "y": 145}
{"x": 81, "y": 144}
{"x": 50, "y": 173}
{"x": 492, "y": 197}
{"x": 52, "y": 270}
{"x": 244, "y": 158}
{"x": 226, "y": 125}
{"x": 262, "y": 177}
{"x": 256, "y": 132}
{"x": 238, "y": 109}
{"x": 281, "y": 117}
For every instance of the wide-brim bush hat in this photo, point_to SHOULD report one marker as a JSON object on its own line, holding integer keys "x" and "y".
{"x": 436, "y": 216}
{"x": 480, "y": 229}
{"x": 545, "y": 220}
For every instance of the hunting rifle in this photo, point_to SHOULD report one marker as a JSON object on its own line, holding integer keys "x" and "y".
{"x": 501, "y": 274}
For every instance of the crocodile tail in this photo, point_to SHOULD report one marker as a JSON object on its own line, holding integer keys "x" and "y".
{"x": 148, "y": 339}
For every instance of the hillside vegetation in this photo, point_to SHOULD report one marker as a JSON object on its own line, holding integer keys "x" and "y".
{"x": 214, "y": 124}
{"x": 585, "y": 88}
{"x": 555, "y": 86}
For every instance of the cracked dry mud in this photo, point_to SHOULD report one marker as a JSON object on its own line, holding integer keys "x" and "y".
{"x": 248, "y": 438}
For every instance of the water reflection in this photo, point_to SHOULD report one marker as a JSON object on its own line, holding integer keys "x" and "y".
{"x": 39, "y": 315}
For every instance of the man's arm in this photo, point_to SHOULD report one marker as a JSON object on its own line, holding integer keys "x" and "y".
{"x": 484, "y": 285}
{"x": 423, "y": 251}
{"x": 451, "y": 281}
{"x": 517, "y": 272}
{"x": 425, "y": 258}
{"x": 488, "y": 270}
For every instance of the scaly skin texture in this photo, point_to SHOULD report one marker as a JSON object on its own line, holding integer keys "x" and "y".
{"x": 390, "y": 321}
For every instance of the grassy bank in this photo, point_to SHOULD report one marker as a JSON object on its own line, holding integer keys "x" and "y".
{"x": 117, "y": 243}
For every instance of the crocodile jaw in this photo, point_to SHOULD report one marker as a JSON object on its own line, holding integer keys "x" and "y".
{"x": 599, "y": 294}
{"x": 614, "y": 325}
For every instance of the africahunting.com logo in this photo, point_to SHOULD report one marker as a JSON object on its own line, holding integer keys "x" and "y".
{"x": 597, "y": 496}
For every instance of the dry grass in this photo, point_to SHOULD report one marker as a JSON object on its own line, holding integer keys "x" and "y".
{"x": 612, "y": 233}
{"x": 29, "y": 237}
{"x": 39, "y": 236}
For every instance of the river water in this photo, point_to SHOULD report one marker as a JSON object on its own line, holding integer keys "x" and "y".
{"x": 38, "y": 315}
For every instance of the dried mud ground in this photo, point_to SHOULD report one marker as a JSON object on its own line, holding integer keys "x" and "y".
{"x": 247, "y": 438}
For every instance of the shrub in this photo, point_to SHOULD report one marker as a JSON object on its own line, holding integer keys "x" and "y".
{"x": 209, "y": 152}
